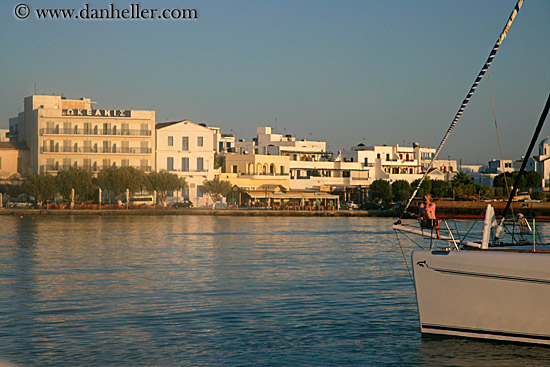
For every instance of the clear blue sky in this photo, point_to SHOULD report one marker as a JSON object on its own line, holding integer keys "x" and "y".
{"x": 347, "y": 72}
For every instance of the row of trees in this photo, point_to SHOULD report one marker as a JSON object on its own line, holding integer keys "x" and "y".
{"x": 115, "y": 179}
{"x": 461, "y": 186}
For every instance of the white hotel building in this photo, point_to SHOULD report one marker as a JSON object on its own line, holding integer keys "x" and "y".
{"x": 62, "y": 133}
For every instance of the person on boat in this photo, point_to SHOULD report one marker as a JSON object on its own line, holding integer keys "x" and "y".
{"x": 427, "y": 215}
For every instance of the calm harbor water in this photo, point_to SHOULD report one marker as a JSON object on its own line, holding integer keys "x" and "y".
{"x": 208, "y": 291}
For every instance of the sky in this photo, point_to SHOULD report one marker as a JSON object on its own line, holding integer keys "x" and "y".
{"x": 345, "y": 72}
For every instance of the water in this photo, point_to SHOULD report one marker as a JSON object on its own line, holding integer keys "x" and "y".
{"x": 209, "y": 291}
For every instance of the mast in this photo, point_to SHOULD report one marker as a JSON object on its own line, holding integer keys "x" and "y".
{"x": 526, "y": 158}
{"x": 469, "y": 95}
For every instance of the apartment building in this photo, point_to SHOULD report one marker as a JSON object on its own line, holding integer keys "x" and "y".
{"x": 62, "y": 133}
{"x": 223, "y": 143}
{"x": 267, "y": 142}
{"x": 186, "y": 149}
{"x": 394, "y": 163}
{"x": 14, "y": 159}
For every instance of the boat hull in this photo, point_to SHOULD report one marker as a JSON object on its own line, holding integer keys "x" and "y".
{"x": 489, "y": 294}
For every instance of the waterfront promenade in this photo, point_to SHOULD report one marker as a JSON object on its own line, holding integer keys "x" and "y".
{"x": 215, "y": 212}
{"x": 445, "y": 209}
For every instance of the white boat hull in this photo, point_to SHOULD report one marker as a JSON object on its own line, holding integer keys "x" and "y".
{"x": 484, "y": 294}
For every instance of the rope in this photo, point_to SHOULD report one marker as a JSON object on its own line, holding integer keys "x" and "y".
{"x": 496, "y": 128}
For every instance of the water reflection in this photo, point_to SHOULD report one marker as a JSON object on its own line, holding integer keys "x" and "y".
{"x": 196, "y": 290}
{"x": 455, "y": 351}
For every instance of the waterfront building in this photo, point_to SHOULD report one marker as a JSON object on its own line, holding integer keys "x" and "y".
{"x": 394, "y": 163}
{"x": 62, "y": 133}
{"x": 498, "y": 166}
{"x": 541, "y": 162}
{"x": 251, "y": 171}
{"x": 187, "y": 149}
{"x": 223, "y": 143}
{"x": 310, "y": 165}
{"x": 4, "y": 135}
{"x": 267, "y": 142}
{"x": 477, "y": 173}
{"x": 14, "y": 160}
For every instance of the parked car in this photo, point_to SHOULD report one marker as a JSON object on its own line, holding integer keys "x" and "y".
{"x": 351, "y": 205}
{"x": 145, "y": 200}
{"x": 183, "y": 205}
{"x": 18, "y": 203}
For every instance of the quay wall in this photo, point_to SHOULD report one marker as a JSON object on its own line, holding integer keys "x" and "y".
{"x": 445, "y": 209}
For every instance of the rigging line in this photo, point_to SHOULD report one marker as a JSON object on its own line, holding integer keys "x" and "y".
{"x": 404, "y": 258}
{"x": 496, "y": 128}
{"x": 492, "y": 55}
{"x": 527, "y": 156}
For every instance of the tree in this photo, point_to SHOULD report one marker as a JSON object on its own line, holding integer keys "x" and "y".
{"x": 534, "y": 179}
{"x": 538, "y": 195}
{"x": 441, "y": 188}
{"x": 118, "y": 180}
{"x": 42, "y": 186}
{"x": 461, "y": 178}
{"x": 401, "y": 190}
{"x": 529, "y": 179}
{"x": 163, "y": 182}
{"x": 381, "y": 190}
{"x": 426, "y": 186}
{"x": 219, "y": 161}
{"x": 214, "y": 188}
{"x": 79, "y": 179}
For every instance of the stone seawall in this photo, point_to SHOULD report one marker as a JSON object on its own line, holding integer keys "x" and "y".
{"x": 218, "y": 212}
{"x": 445, "y": 209}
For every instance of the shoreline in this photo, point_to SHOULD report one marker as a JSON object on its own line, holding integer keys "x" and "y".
{"x": 466, "y": 210}
{"x": 214, "y": 212}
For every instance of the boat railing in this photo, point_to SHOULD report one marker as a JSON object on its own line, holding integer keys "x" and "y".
{"x": 458, "y": 234}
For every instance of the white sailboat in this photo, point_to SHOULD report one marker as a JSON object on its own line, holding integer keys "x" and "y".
{"x": 496, "y": 286}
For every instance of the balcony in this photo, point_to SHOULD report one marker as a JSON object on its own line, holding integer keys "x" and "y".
{"x": 95, "y": 168}
{"x": 95, "y": 132}
{"x": 98, "y": 150}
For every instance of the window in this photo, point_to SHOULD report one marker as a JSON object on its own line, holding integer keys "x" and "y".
{"x": 170, "y": 164}
{"x": 125, "y": 163}
{"x": 220, "y": 146}
{"x": 144, "y": 165}
{"x": 235, "y": 168}
{"x": 200, "y": 164}
{"x": 185, "y": 143}
{"x": 200, "y": 141}
{"x": 199, "y": 191}
{"x": 170, "y": 141}
{"x": 185, "y": 164}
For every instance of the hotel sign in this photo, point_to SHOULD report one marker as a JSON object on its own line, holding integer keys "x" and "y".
{"x": 96, "y": 113}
